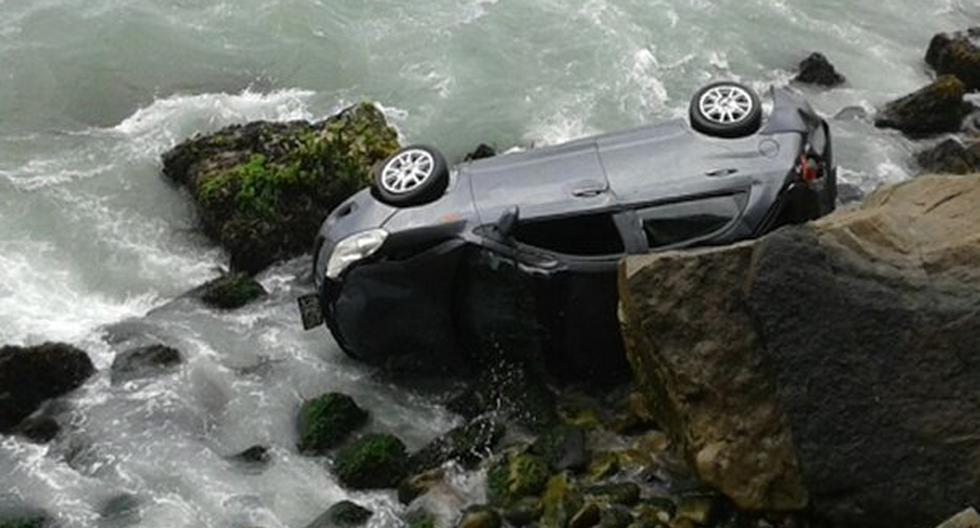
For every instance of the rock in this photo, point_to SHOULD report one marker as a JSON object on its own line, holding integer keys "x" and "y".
{"x": 328, "y": 420}
{"x": 560, "y": 502}
{"x": 587, "y": 516}
{"x": 830, "y": 365}
{"x": 603, "y": 465}
{"x": 957, "y": 54}
{"x": 344, "y": 514}
{"x": 951, "y": 157}
{"x": 524, "y": 511}
{"x": 468, "y": 445}
{"x": 515, "y": 475}
{"x": 934, "y": 109}
{"x": 39, "y": 520}
{"x": 479, "y": 517}
{"x": 615, "y": 516}
{"x": 121, "y": 510}
{"x": 38, "y": 429}
{"x": 624, "y": 493}
{"x": 263, "y": 189}
{"x": 965, "y": 519}
{"x": 699, "y": 509}
{"x": 816, "y": 69}
{"x": 417, "y": 485}
{"x": 31, "y": 375}
{"x": 143, "y": 362}
{"x": 512, "y": 390}
{"x": 563, "y": 448}
{"x": 374, "y": 462}
{"x": 483, "y": 151}
{"x": 255, "y": 455}
{"x": 420, "y": 519}
{"x": 851, "y": 113}
{"x": 230, "y": 291}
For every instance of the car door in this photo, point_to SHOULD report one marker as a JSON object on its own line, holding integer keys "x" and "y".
{"x": 565, "y": 179}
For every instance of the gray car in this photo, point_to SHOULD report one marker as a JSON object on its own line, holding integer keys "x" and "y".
{"x": 520, "y": 251}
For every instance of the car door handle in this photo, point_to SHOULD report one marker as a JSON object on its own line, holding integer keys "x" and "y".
{"x": 588, "y": 192}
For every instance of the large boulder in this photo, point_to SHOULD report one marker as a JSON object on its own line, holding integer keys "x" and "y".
{"x": 937, "y": 108}
{"x": 957, "y": 54}
{"x": 31, "y": 375}
{"x": 832, "y": 365}
{"x": 263, "y": 189}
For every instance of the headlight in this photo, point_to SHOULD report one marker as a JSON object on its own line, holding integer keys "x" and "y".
{"x": 354, "y": 248}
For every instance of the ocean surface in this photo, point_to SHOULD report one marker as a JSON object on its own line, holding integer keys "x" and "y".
{"x": 95, "y": 245}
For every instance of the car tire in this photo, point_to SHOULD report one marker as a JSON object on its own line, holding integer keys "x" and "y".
{"x": 726, "y": 110}
{"x": 414, "y": 175}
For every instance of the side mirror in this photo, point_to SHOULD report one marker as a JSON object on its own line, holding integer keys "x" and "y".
{"x": 508, "y": 222}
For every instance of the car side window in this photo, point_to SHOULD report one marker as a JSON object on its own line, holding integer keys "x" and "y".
{"x": 686, "y": 222}
{"x": 583, "y": 235}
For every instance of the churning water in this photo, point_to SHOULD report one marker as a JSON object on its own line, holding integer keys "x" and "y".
{"x": 93, "y": 91}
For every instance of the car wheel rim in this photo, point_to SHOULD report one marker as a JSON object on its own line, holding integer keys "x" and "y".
{"x": 407, "y": 171}
{"x": 726, "y": 104}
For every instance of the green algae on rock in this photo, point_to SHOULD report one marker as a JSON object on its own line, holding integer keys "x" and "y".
{"x": 374, "y": 462}
{"x": 230, "y": 291}
{"x": 328, "y": 420}
{"x": 514, "y": 476}
{"x": 263, "y": 189}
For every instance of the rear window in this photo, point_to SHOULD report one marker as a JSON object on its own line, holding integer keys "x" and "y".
{"x": 688, "y": 222}
{"x": 589, "y": 235}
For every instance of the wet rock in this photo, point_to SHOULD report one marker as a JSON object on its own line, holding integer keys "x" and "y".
{"x": 951, "y": 157}
{"x": 263, "y": 189}
{"x": 328, "y": 420}
{"x": 483, "y": 151}
{"x": 420, "y": 519}
{"x": 858, "y": 416}
{"x": 937, "y": 108}
{"x": 625, "y": 493}
{"x": 374, "y": 462}
{"x": 700, "y": 510}
{"x": 615, "y": 516}
{"x": 468, "y": 445}
{"x": 849, "y": 193}
{"x": 512, "y": 390}
{"x": 121, "y": 510}
{"x": 143, "y": 362}
{"x": 417, "y": 485}
{"x": 524, "y": 511}
{"x": 344, "y": 514}
{"x": 39, "y": 429}
{"x": 256, "y": 455}
{"x": 560, "y": 502}
{"x": 31, "y": 375}
{"x": 965, "y": 519}
{"x": 516, "y": 475}
{"x": 957, "y": 54}
{"x": 655, "y": 511}
{"x": 851, "y": 113}
{"x": 816, "y": 69}
{"x": 230, "y": 291}
{"x": 38, "y": 520}
{"x": 479, "y": 517}
{"x": 563, "y": 448}
{"x": 603, "y": 465}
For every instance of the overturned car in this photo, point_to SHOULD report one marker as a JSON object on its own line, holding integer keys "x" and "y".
{"x": 519, "y": 252}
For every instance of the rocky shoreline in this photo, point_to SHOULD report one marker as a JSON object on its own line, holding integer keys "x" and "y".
{"x": 739, "y": 415}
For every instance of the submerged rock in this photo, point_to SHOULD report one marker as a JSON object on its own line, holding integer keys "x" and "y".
{"x": 39, "y": 429}
{"x": 816, "y": 69}
{"x": 937, "y": 108}
{"x": 830, "y": 365}
{"x": 344, "y": 514}
{"x": 31, "y": 375}
{"x": 483, "y": 151}
{"x": 143, "y": 362}
{"x": 951, "y": 157}
{"x": 957, "y": 54}
{"x": 468, "y": 444}
{"x": 229, "y": 291}
{"x": 328, "y": 420}
{"x": 263, "y": 189}
{"x": 256, "y": 455}
{"x": 374, "y": 462}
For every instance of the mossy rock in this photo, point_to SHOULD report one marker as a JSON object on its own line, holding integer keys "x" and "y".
{"x": 935, "y": 109}
{"x": 514, "y": 476}
{"x": 374, "y": 462}
{"x": 479, "y": 516}
{"x": 561, "y": 501}
{"x": 344, "y": 514}
{"x": 624, "y": 493}
{"x": 957, "y": 54}
{"x": 415, "y": 486}
{"x": 263, "y": 189}
{"x": 325, "y": 422}
{"x": 420, "y": 519}
{"x": 31, "y": 375}
{"x": 563, "y": 448}
{"x": 230, "y": 291}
